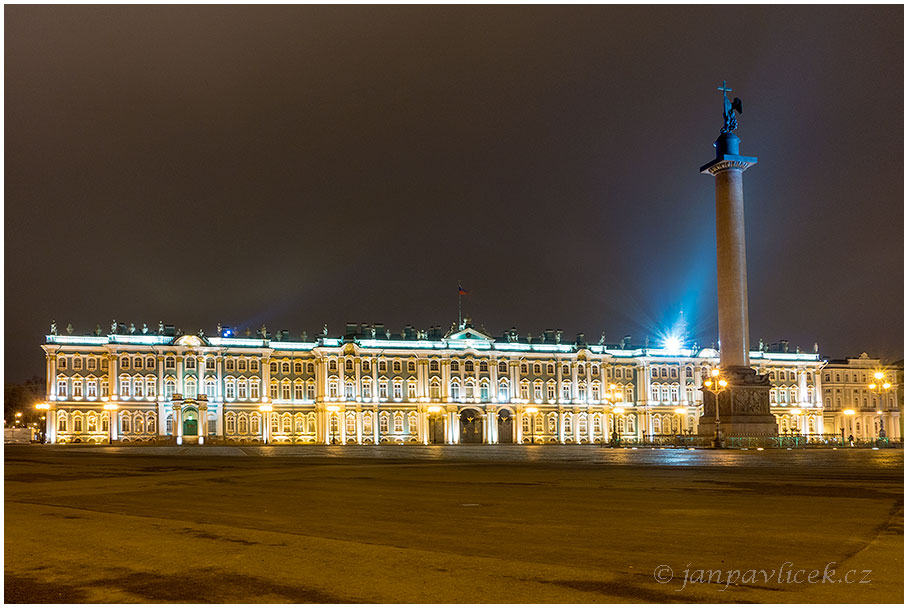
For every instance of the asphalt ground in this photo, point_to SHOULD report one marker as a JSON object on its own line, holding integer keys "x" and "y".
{"x": 454, "y": 524}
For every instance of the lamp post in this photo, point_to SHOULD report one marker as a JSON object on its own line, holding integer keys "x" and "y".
{"x": 48, "y": 421}
{"x": 333, "y": 409}
{"x": 611, "y": 397}
{"x": 433, "y": 416}
{"x": 880, "y": 386}
{"x": 111, "y": 423}
{"x": 532, "y": 410}
{"x": 716, "y": 384}
{"x": 266, "y": 410}
{"x": 850, "y": 414}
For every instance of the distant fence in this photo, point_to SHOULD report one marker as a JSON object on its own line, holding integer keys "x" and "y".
{"x": 770, "y": 441}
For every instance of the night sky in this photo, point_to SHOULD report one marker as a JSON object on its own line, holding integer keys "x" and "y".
{"x": 301, "y": 165}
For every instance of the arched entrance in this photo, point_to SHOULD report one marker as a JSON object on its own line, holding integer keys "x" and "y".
{"x": 190, "y": 422}
{"x": 436, "y": 428}
{"x": 505, "y": 426}
{"x": 470, "y": 426}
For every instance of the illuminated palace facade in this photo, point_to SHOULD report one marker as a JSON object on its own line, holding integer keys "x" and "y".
{"x": 369, "y": 387}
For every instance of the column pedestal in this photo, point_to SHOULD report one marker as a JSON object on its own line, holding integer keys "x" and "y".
{"x": 743, "y": 406}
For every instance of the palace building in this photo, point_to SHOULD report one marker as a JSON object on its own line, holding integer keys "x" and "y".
{"x": 372, "y": 387}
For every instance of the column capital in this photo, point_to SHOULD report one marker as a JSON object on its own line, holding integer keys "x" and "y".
{"x": 727, "y": 162}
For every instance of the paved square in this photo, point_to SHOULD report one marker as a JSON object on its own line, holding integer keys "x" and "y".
{"x": 449, "y": 524}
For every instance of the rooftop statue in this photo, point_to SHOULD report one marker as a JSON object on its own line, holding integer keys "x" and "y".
{"x": 729, "y": 108}
{"x": 69, "y": 328}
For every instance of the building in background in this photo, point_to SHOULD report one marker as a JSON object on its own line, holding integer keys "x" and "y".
{"x": 862, "y": 397}
{"x": 372, "y": 387}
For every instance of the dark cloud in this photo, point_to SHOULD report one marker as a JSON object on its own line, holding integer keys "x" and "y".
{"x": 301, "y": 165}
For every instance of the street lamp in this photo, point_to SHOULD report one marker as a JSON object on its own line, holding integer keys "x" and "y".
{"x": 716, "y": 384}
{"x": 532, "y": 410}
{"x": 612, "y": 397}
{"x": 880, "y": 386}
{"x": 331, "y": 419}
{"x": 112, "y": 420}
{"x": 433, "y": 412}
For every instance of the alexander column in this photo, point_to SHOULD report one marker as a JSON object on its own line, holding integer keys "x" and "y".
{"x": 736, "y": 400}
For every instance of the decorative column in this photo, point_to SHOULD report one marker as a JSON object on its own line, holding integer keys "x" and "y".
{"x": 743, "y": 408}
{"x": 178, "y": 418}
{"x": 203, "y": 418}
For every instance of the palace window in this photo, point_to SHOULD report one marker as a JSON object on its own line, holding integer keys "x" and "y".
{"x": 411, "y": 391}
{"x": 396, "y": 366}
{"x": 550, "y": 392}
{"x": 92, "y": 363}
{"x": 241, "y": 389}
{"x": 244, "y": 425}
{"x": 230, "y": 389}
{"x": 125, "y": 422}
{"x": 351, "y": 424}
{"x": 61, "y": 363}
{"x": 137, "y": 362}
{"x": 382, "y": 367}
{"x": 272, "y": 390}
{"x": 332, "y": 388}
{"x": 468, "y": 366}
{"x": 537, "y": 392}
{"x": 524, "y": 368}
{"x": 412, "y": 423}
{"x": 504, "y": 393}
{"x": 170, "y": 363}
{"x": 191, "y": 388}
{"x": 92, "y": 424}
{"x": 484, "y": 390}
{"x": 581, "y": 392}
{"x": 137, "y": 388}
{"x": 77, "y": 423}
{"x": 595, "y": 392}
{"x": 210, "y": 388}
{"x": 285, "y": 367}
{"x": 566, "y": 391}
{"x": 525, "y": 425}
{"x": 273, "y": 367}
{"x": 92, "y": 389}
{"x": 299, "y": 423}
{"x": 434, "y": 389}
{"x": 254, "y": 365}
{"x": 455, "y": 365}
{"x": 483, "y": 366}
{"x": 470, "y": 389}
{"x": 398, "y": 390}
{"x": 210, "y": 364}
{"x": 411, "y": 367}
{"x": 594, "y": 370}
{"x": 190, "y": 362}
{"x": 332, "y": 365}
{"x": 124, "y": 362}
{"x": 230, "y": 365}
{"x": 433, "y": 365}
{"x": 61, "y": 422}
{"x": 525, "y": 391}
{"x": 367, "y": 423}
{"x": 310, "y": 390}
{"x": 105, "y": 387}
{"x": 285, "y": 390}
{"x": 565, "y": 370}
{"x": 665, "y": 393}
{"x": 241, "y": 365}
{"x": 256, "y": 424}
{"x": 169, "y": 388}
{"x": 455, "y": 390}
{"x": 310, "y": 368}
{"x": 383, "y": 422}
{"x": 297, "y": 367}
{"x": 350, "y": 391}
{"x": 366, "y": 365}
{"x": 367, "y": 389}
{"x": 298, "y": 393}
{"x": 664, "y": 373}
{"x": 124, "y": 387}
{"x": 675, "y": 395}
{"x": 537, "y": 368}
{"x": 550, "y": 369}
{"x": 398, "y": 422}
{"x": 77, "y": 388}
{"x": 383, "y": 389}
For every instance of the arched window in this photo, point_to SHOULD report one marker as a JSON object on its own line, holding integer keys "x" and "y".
{"x": 254, "y": 389}
{"x": 468, "y": 366}
{"x": 411, "y": 390}
{"x": 502, "y": 367}
{"x": 433, "y": 365}
{"x": 455, "y": 365}
{"x": 657, "y": 425}
{"x": 398, "y": 422}
{"x": 383, "y": 419}
{"x": 125, "y": 382}
{"x": 310, "y": 368}
{"x": 297, "y": 367}
{"x": 537, "y": 368}
{"x": 125, "y": 422}
{"x": 349, "y": 390}
{"x": 299, "y": 392}
{"x": 191, "y": 388}
{"x": 411, "y": 367}
{"x": 504, "y": 391}
{"x": 272, "y": 390}
{"x": 654, "y": 392}
{"x": 151, "y": 387}
{"x": 241, "y": 365}
{"x": 170, "y": 386}
{"x": 483, "y": 366}
{"x": 255, "y": 422}
{"x": 299, "y": 423}
{"x": 140, "y": 423}
{"x": 470, "y": 389}
{"x": 285, "y": 367}
{"x": 151, "y": 422}
{"x": 62, "y": 420}
{"x": 244, "y": 425}
{"x": 484, "y": 389}
{"x": 230, "y": 364}
{"x": 568, "y": 422}
{"x": 455, "y": 390}
{"x": 631, "y": 424}
{"x": 190, "y": 362}
{"x": 434, "y": 389}
{"x": 367, "y": 423}
{"x": 77, "y": 422}
{"x": 242, "y": 389}
{"x": 412, "y": 423}
{"x": 285, "y": 389}
{"x": 210, "y": 388}
{"x": 230, "y": 389}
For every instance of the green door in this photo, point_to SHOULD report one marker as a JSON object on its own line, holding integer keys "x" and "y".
{"x": 190, "y": 427}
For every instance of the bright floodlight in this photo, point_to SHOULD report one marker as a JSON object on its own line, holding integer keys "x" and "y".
{"x": 672, "y": 344}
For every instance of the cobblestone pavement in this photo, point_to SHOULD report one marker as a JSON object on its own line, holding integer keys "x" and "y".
{"x": 451, "y": 524}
